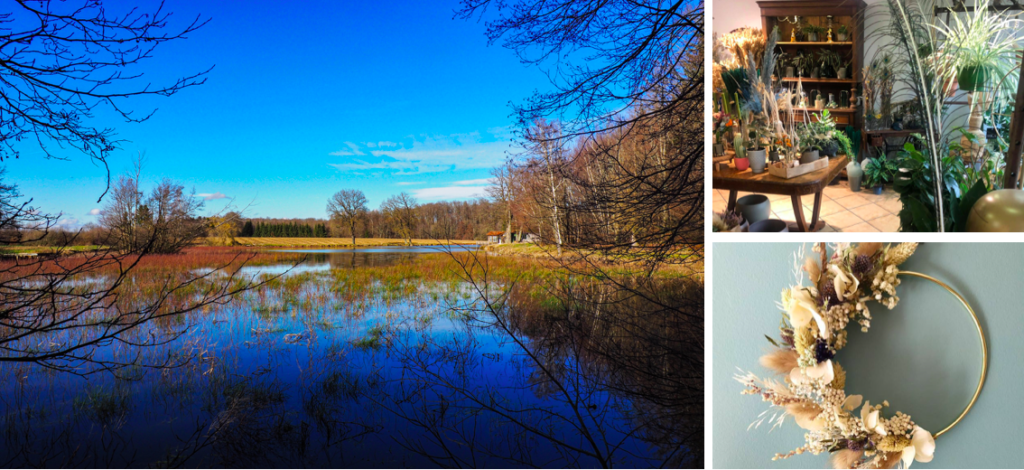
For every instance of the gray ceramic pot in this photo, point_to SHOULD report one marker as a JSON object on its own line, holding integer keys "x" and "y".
{"x": 854, "y": 174}
{"x": 773, "y": 156}
{"x": 719, "y": 150}
{"x": 754, "y": 207}
{"x": 790, "y": 72}
{"x": 808, "y": 157}
{"x": 757, "y": 160}
{"x": 769, "y": 225}
{"x": 841, "y": 73}
{"x": 815, "y": 72}
{"x": 841, "y": 37}
{"x": 812, "y": 37}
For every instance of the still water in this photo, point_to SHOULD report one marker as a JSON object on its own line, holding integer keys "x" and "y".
{"x": 328, "y": 367}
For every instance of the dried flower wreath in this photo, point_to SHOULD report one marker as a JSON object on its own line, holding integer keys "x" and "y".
{"x": 813, "y": 330}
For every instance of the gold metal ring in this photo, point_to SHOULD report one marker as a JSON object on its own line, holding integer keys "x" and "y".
{"x": 984, "y": 346}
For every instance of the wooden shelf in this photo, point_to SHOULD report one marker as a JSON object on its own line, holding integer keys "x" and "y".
{"x": 820, "y": 80}
{"x": 831, "y": 110}
{"x": 816, "y": 43}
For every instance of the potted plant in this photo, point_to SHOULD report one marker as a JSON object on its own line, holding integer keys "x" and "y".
{"x": 830, "y": 62}
{"x": 842, "y": 34}
{"x": 803, "y": 63}
{"x": 842, "y": 69}
{"x": 812, "y": 32}
{"x": 979, "y": 51}
{"x": 878, "y": 173}
{"x": 756, "y": 150}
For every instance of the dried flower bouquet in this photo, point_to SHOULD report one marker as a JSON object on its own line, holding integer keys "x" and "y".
{"x": 813, "y": 330}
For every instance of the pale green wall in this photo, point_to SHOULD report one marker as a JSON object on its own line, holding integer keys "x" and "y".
{"x": 923, "y": 356}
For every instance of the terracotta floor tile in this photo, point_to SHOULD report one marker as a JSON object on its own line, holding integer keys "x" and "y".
{"x": 892, "y": 205}
{"x": 870, "y": 211}
{"x": 861, "y": 227}
{"x": 830, "y": 207}
{"x": 837, "y": 191}
{"x": 852, "y": 201}
{"x": 889, "y": 223}
{"x": 843, "y": 219}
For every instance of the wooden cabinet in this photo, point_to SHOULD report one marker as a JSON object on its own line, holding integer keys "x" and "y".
{"x": 788, "y": 14}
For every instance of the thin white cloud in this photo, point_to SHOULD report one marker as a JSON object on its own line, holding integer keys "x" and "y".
{"x": 450, "y": 192}
{"x": 478, "y": 182}
{"x": 425, "y": 154}
{"x": 67, "y": 223}
{"x": 94, "y": 212}
{"x": 353, "y": 149}
{"x": 211, "y": 196}
{"x": 408, "y": 183}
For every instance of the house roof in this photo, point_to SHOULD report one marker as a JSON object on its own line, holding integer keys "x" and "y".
{"x": 495, "y": 233}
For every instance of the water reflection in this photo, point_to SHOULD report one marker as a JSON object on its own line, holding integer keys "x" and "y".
{"x": 388, "y": 374}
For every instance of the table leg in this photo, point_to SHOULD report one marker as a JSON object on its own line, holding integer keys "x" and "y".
{"x": 732, "y": 200}
{"x": 798, "y": 212}
{"x": 816, "y": 211}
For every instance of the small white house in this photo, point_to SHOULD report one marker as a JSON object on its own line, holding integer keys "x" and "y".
{"x": 494, "y": 237}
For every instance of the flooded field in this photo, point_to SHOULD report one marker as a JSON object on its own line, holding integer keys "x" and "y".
{"x": 382, "y": 357}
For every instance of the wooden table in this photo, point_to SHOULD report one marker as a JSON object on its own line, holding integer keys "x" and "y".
{"x": 810, "y": 183}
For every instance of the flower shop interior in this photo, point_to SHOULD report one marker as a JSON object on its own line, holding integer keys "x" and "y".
{"x": 854, "y": 116}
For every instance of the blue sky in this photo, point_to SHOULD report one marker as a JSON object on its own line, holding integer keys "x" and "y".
{"x": 378, "y": 96}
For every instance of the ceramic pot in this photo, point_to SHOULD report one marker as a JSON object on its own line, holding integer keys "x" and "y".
{"x": 757, "y": 160}
{"x": 741, "y": 163}
{"x": 754, "y": 207}
{"x": 719, "y": 150}
{"x": 841, "y": 37}
{"x": 816, "y": 72}
{"x": 973, "y": 78}
{"x": 769, "y": 225}
{"x": 878, "y": 189}
{"x": 808, "y": 157}
{"x": 790, "y": 72}
{"x": 841, "y": 73}
{"x": 854, "y": 173}
{"x": 773, "y": 156}
{"x": 812, "y": 37}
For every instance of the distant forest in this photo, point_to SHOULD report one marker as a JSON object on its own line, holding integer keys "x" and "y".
{"x": 458, "y": 220}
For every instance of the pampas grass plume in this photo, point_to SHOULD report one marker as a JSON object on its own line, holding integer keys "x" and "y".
{"x": 846, "y": 458}
{"x": 780, "y": 360}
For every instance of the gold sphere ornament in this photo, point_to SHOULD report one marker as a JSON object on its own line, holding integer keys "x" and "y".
{"x": 998, "y": 211}
{"x": 811, "y": 386}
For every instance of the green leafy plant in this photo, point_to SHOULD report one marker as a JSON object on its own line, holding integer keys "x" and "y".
{"x": 984, "y": 44}
{"x": 876, "y": 173}
{"x": 916, "y": 186}
{"x": 803, "y": 62}
{"x": 842, "y": 29}
{"x": 829, "y": 61}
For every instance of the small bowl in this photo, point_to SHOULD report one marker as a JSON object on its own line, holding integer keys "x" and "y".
{"x": 769, "y": 225}
{"x": 754, "y": 207}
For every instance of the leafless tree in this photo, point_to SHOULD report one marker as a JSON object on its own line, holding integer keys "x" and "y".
{"x": 401, "y": 211}
{"x": 347, "y": 207}
{"x": 165, "y": 222}
{"x": 503, "y": 192}
{"x": 60, "y": 61}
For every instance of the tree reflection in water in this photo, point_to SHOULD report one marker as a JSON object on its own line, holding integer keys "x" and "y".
{"x": 603, "y": 376}
{"x": 408, "y": 370}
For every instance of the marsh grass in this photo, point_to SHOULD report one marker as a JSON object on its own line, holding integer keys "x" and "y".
{"x": 106, "y": 406}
